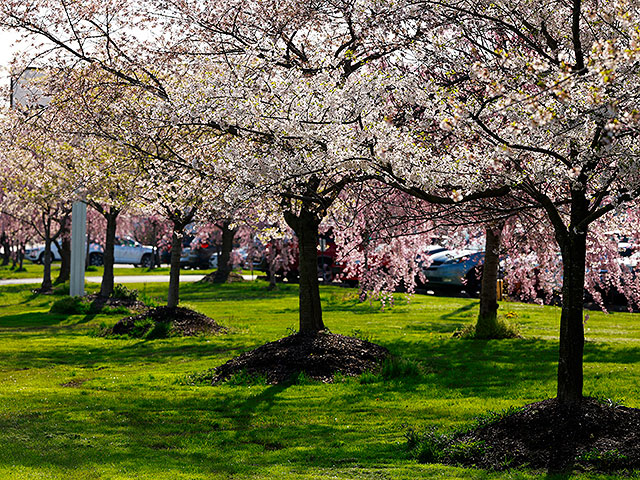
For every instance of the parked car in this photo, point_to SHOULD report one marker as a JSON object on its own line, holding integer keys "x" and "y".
{"x": 455, "y": 268}
{"x": 126, "y": 250}
{"x": 36, "y": 253}
{"x": 328, "y": 267}
{"x": 198, "y": 256}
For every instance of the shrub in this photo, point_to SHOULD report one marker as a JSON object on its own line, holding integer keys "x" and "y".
{"x": 502, "y": 329}
{"x": 393, "y": 368}
{"x": 159, "y": 330}
{"x": 71, "y": 306}
{"x": 124, "y": 293}
{"x": 429, "y": 446}
{"x": 140, "y": 328}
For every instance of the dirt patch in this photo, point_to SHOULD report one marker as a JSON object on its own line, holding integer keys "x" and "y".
{"x": 319, "y": 355}
{"x": 595, "y": 435}
{"x": 165, "y": 322}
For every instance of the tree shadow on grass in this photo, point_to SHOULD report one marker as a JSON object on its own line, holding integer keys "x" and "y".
{"x": 490, "y": 368}
{"x": 460, "y": 311}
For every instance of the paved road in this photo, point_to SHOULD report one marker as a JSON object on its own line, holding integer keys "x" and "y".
{"x": 120, "y": 279}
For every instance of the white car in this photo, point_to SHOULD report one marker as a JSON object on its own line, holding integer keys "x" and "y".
{"x": 36, "y": 253}
{"x": 125, "y": 250}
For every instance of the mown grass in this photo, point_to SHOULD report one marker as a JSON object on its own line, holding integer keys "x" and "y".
{"x": 32, "y": 270}
{"x": 75, "y": 405}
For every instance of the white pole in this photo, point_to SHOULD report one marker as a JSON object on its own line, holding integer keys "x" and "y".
{"x": 78, "y": 252}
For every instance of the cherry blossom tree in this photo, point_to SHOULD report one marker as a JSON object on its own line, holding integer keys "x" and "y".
{"x": 537, "y": 98}
{"x": 35, "y": 191}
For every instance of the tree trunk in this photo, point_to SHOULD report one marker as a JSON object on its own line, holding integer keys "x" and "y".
{"x": 46, "y": 275}
{"x": 224, "y": 260}
{"x": 14, "y": 257}
{"x": 305, "y": 225}
{"x": 487, "y": 324}
{"x": 21, "y": 251}
{"x": 64, "y": 247}
{"x": 174, "y": 273}
{"x": 571, "y": 327}
{"x": 106, "y": 288}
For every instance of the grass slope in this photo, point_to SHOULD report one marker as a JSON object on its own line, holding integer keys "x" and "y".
{"x": 74, "y": 405}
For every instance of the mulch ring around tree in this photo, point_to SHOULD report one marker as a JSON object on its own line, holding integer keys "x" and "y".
{"x": 232, "y": 278}
{"x": 599, "y": 436}
{"x": 318, "y": 355}
{"x": 97, "y": 302}
{"x": 162, "y": 322}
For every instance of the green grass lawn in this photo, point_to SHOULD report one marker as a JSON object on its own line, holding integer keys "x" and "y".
{"x": 74, "y": 405}
{"x": 32, "y": 270}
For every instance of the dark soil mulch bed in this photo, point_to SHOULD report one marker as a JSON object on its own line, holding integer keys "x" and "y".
{"x": 597, "y": 436}
{"x": 97, "y": 302}
{"x": 177, "y": 321}
{"x": 233, "y": 278}
{"x": 318, "y": 355}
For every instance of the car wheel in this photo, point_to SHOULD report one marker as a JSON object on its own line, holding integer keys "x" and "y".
{"x": 41, "y": 259}
{"x": 95, "y": 259}
{"x": 146, "y": 261}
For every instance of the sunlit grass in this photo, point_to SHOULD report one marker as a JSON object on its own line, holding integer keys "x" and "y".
{"x": 32, "y": 270}
{"x": 76, "y": 405}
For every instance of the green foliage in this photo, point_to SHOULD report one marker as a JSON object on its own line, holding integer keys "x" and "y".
{"x": 244, "y": 378}
{"x": 429, "y": 446}
{"x": 149, "y": 301}
{"x": 359, "y": 334}
{"x": 71, "y": 306}
{"x": 61, "y": 288}
{"x": 147, "y": 329}
{"x": 610, "y": 402}
{"x": 115, "y": 310}
{"x": 504, "y": 327}
{"x": 450, "y": 447}
{"x": 394, "y": 368}
{"x": 434, "y": 447}
{"x": 122, "y": 292}
{"x": 159, "y": 330}
{"x": 603, "y": 460}
{"x": 398, "y": 368}
{"x": 197, "y": 378}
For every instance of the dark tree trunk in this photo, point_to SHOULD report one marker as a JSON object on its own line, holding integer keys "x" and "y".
{"x": 174, "y": 273}
{"x": 571, "y": 327}
{"x": 64, "y": 247}
{"x": 224, "y": 260}
{"x": 305, "y": 225}
{"x": 46, "y": 275}
{"x": 21, "y": 251}
{"x": 572, "y": 240}
{"x": 106, "y": 288}
{"x": 486, "y": 326}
